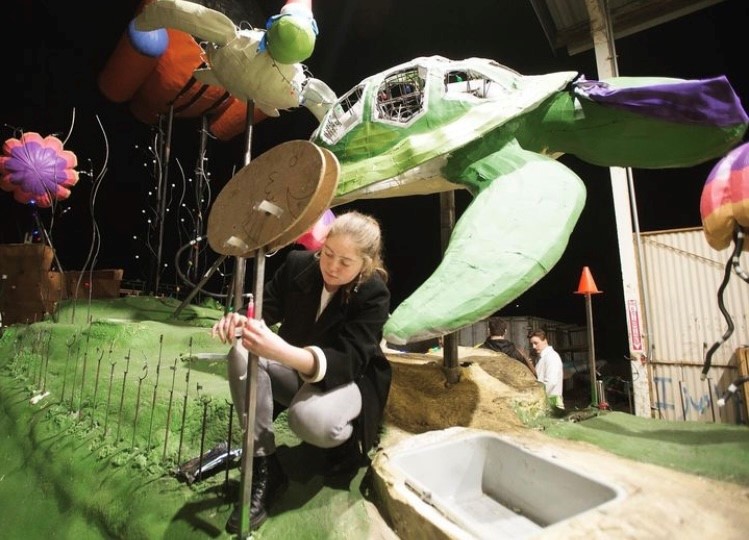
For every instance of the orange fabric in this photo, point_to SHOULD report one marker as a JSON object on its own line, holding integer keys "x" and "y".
{"x": 125, "y": 71}
{"x": 233, "y": 120}
{"x": 174, "y": 69}
{"x": 152, "y": 85}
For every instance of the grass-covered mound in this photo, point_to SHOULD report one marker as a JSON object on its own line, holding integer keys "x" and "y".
{"x": 718, "y": 451}
{"x": 102, "y": 403}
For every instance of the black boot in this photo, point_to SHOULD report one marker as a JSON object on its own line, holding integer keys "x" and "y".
{"x": 345, "y": 459}
{"x": 268, "y": 480}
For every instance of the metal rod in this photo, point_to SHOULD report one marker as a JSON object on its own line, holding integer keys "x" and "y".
{"x": 450, "y": 341}
{"x": 201, "y": 180}
{"x": 122, "y": 396}
{"x": 137, "y": 403}
{"x": 248, "y": 442}
{"x": 75, "y": 375}
{"x": 46, "y": 363}
{"x": 83, "y": 371}
{"x": 205, "y": 401}
{"x": 169, "y": 408}
{"x": 248, "y": 446}
{"x": 184, "y": 407}
{"x": 155, "y": 390}
{"x": 161, "y": 191}
{"x": 96, "y": 388}
{"x": 591, "y": 350}
{"x": 109, "y": 396}
{"x": 228, "y": 446}
{"x": 199, "y": 286}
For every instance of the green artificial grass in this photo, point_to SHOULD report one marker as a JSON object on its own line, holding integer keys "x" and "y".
{"x": 718, "y": 451}
{"x": 133, "y": 392}
{"x": 100, "y": 406}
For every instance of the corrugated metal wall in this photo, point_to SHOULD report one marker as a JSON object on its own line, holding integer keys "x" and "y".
{"x": 681, "y": 278}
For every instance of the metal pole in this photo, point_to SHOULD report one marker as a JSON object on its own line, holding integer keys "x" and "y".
{"x": 248, "y": 442}
{"x": 161, "y": 194}
{"x": 450, "y": 341}
{"x": 603, "y": 40}
{"x": 591, "y": 351}
{"x": 248, "y": 445}
{"x": 201, "y": 180}
{"x": 199, "y": 286}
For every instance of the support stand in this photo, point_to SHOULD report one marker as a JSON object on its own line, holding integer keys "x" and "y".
{"x": 165, "y": 150}
{"x": 450, "y": 342}
{"x": 248, "y": 442}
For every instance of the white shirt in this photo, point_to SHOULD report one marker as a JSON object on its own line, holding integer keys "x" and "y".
{"x": 325, "y": 297}
{"x": 549, "y": 370}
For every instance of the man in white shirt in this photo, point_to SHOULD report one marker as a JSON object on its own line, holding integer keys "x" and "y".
{"x": 549, "y": 369}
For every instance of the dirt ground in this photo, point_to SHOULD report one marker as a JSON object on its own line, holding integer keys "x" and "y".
{"x": 658, "y": 502}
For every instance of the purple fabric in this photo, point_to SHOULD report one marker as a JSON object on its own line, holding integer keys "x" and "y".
{"x": 707, "y": 101}
{"x": 36, "y": 168}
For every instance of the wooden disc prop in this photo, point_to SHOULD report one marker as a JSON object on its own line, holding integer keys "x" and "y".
{"x": 317, "y": 204}
{"x": 267, "y": 197}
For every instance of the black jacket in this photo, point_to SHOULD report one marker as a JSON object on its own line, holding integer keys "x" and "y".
{"x": 504, "y": 346}
{"x": 349, "y": 331}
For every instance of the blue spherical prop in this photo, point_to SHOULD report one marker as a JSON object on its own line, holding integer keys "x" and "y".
{"x": 152, "y": 43}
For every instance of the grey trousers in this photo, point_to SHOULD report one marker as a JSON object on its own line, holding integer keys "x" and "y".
{"x": 322, "y": 419}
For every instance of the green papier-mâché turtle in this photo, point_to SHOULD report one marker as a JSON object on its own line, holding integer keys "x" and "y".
{"x": 434, "y": 124}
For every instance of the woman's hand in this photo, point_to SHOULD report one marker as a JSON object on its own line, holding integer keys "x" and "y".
{"x": 262, "y": 341}
{"x": 228, "y": 326}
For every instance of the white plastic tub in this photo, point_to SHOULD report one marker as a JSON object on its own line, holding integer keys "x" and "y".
{"x": 491, "y": 488}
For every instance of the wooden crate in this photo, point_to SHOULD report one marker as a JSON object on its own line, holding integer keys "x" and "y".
{"x": 98, "y": 283}
{"x": 28, "y": 290}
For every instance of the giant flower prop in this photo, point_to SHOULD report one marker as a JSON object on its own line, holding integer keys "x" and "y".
{"x": 724, "y": 204}
{"x": 37, "y": 170}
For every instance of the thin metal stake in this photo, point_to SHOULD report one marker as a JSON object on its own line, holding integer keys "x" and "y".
{"x": 46, "y": 363}
{"x": 248, "y": 442}
{"x": 169, "y": 408}
{"x": 155, "y": 389}
{"x": 137, "y": 402}
{"x": 96, "y": 387}
{"x": 228, "y": 446}
{"x": 69, "y": 345}
{"x": 122, "y": 396}
{"x": 83, "y": 374}
{"x": 205, "y": 401}
{"x": 184, "y": 408}
{"x": 109, "y": 396}
{"x": 75, "y": 375}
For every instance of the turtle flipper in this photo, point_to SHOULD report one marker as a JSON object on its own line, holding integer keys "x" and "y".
{"x": 508, "y": 238}
{"x": 192, "y": 18}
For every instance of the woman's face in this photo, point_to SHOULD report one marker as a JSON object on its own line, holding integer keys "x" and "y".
{"x": 340, "y": 261}
{"x": 538, "y": 344}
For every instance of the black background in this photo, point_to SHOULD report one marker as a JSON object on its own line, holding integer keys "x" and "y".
{"x": 54, "y": 51}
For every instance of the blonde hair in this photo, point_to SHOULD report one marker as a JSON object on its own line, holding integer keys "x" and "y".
{"x": 364, "y": 232}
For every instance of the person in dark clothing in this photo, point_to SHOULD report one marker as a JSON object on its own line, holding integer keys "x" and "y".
{"x": 325, "y": 364}
{"x": 496, "y": 342}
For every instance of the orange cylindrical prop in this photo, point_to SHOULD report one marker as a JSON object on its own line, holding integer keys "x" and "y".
{"x": 125, "y": 71}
